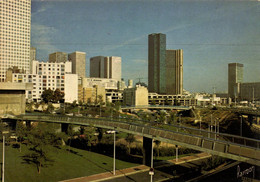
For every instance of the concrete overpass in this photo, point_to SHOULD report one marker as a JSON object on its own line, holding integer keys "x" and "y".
{"x": 250, "y": 112}
{"x": 155, "y": 107}
{"x": 225, "y": 145}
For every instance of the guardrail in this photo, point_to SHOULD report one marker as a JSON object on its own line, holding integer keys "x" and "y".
{"x": 242, "y": 141}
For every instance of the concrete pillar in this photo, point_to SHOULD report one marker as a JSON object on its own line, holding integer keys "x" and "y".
{"x": 28, "y": 124}
{"x": 13, "y": 124}
{"x": 147, "y": 147}
{"x": 250, "y": 119}
{"x": 64, "y": 127}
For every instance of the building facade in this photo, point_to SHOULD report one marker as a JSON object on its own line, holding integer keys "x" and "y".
{"x": 58, "y": 57}
{"x": 235, "y": 78}
{"x": 78, "y": 60}
{"x": 137, "y": 96}
{"x": 157, "y": 63}
{"x": 49, "y": 76}
{"x": 108, "y": 84}
{"x": 32, "y": 57}
{"x": 15, "y": 31}
{"x": 250, "y": 91}
{"x": 174, "y": 72}
{"x": 12, "y": 97}
{"x": 106, "y": 67}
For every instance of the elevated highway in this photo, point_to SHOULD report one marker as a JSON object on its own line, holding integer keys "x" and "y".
{"x": 225, "y": 145}
{"x": 155, "y": 107}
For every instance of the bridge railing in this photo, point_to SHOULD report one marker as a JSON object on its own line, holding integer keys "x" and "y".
{"x": 244, "y": 141}
{"x": 251, "y": 142}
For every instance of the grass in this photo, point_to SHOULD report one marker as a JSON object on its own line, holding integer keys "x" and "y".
{"x": 66, "y": 165}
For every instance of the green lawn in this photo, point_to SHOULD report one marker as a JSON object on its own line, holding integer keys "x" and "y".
{"x": 66, "y": 165}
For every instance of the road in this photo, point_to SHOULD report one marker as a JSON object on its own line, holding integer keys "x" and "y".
{"x": 164, "y": 171}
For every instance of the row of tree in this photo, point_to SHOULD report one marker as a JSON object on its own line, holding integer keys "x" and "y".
{"x": 53, "y": 96}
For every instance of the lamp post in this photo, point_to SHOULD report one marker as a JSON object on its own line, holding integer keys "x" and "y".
{"x": 176, "y": 153}
{"x": 3, "y": 165}
{"x": 152, "y": 162}
{"x": 241, "y": 122}
{"x": 114, "y": 160}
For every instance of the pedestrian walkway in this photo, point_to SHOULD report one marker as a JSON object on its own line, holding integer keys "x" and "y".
{"x": 133, "y": 170}
{"x": 109, "y": 175}
{"x": 190, "y": 158}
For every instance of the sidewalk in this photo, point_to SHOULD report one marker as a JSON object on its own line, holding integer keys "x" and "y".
{"x": 109, "y": 175}
{"x": 190, "y": 158}
{"x": 133, "y": 170}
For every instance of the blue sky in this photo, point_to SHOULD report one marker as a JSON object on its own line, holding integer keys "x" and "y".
{"x": 212, "y": 33}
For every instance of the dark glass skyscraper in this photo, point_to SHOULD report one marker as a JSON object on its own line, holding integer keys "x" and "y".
{"x": 235, "y": 77}
{"x": 157, "y": 63}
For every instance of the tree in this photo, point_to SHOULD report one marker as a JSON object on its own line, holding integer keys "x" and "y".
{"x": 52, "y": 96}
{"x": 162, "y": 117}
{"x": 157, "y": 143}
{"x": 20, "y": 132}
{"x": 172, "y": 118}
{"x": 40, "y": 139}
{"x": 29, "y": 107}
{"x": 58, "y": 96}
{"x": 153, "y": 102}
{"x": 74, "y": 104}
{"x": 90, "y": 136}
{"x": 37, "y": 105}
{"x": 50, "y": 108}
{"x": 70, "y": 133}
{"x": 47, "y": 95}
{"x": 100, "y": 133}
{"x": 130, "y": 138}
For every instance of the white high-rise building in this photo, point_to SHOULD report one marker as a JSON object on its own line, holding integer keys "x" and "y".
{"x": 15, "y": 30}
{"x": 52, "y": 76}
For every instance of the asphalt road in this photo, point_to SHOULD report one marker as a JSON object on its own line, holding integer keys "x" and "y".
{"x": 164, "y": 172}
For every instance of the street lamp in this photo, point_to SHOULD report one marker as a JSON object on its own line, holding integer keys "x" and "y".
{"x": 3, "y": 165}
{"x": 176, "y": 153}
{"x": 241, "y": 122}
{"x": 114, "y": 161}
{"x": 152, "y": 172}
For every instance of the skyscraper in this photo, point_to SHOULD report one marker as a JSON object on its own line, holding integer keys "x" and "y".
{"x": 106, "y": 67}
{"x": 174, "y": 72}
{"x": 15, "y": 29}
{"x": 58, "y": 57}
{"x": 78, "y": 60}
{"x": 32, "y": 57}
{"x": 157, "y": 63}
{"x": 235, "y": 78}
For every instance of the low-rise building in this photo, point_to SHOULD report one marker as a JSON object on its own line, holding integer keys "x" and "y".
{"x": 12, "y": 97}
{"x": 135, "y": 96}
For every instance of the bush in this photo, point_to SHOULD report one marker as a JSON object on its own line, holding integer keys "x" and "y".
{"x": 212, "y": 163}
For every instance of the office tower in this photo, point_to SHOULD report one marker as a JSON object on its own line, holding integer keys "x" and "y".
{"x": 157, "y": 63}
{"x": 78, "y": 60}
{"x": 174, "y": 72}
{"x": 32, "y": 53}
{"x": 105, "y": 67}
{"x": 58, "y": 57}
{"x": 235, "y": 78}
{"x": 32, "y": 57}
{"x": 95, "y": 67}
{"x": 15, "y": 28}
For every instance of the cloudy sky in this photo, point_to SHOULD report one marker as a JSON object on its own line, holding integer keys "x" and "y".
{"x": 212, "y": 33}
